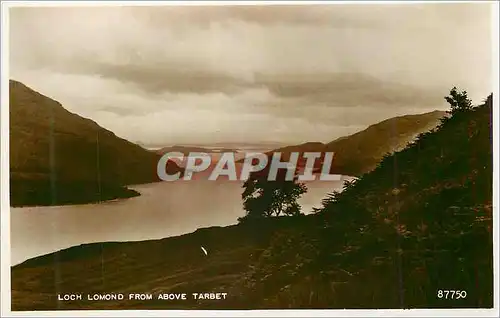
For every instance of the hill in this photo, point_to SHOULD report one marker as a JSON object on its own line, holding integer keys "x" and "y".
{"x": 57, "y": 157}
{"x": 420, "y": 221}
{"x": 359, "y": 153}
{"x": 418, "y": 224}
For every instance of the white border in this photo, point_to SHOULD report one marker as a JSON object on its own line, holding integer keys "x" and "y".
{"x": 496, "y": 173}
{"x": 4, "y": 168}
{"x": 86, "y": 3}
{"x": 5, "y": 204}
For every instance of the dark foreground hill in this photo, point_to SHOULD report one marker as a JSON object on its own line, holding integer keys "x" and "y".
{"x": 416, "y": 232}
{"x": 57, "y": 157}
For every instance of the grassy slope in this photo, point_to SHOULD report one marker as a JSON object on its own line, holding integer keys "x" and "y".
{"x": 155, "y": 266}
{"x": 421, "y": 221}
{"x": 57, "y": 157}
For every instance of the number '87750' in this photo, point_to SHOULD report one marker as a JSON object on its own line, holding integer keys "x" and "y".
{"x": 451, "y": 294}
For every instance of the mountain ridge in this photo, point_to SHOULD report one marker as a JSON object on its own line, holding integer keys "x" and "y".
{"x": 355, "y": 154}
{"x": 59, "y": 157}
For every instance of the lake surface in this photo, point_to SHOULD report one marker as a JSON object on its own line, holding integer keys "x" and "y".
{"x": 164, "y": 209}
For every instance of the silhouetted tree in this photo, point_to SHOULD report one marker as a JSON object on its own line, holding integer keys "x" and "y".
{"x": 264, "y": 198}
{"x": 459, "y": 101}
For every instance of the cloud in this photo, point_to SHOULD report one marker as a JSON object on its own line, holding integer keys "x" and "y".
{"x": 218, "y": 72}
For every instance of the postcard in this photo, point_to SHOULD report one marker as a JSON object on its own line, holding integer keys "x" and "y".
{"x": 228, "y": 158}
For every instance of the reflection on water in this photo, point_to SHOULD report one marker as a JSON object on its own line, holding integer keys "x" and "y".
{"x": 163, "y": 209}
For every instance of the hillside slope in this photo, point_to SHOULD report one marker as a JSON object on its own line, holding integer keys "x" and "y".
{"x": 359, "y": 153}
{"x": 58, "y": 157}
{"x": 419, "y": 223}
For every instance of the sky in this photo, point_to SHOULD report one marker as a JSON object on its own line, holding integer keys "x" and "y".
{"x": 163, "y": 75}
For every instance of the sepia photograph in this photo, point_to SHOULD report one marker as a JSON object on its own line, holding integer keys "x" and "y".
{"x": 249, "y": 156}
